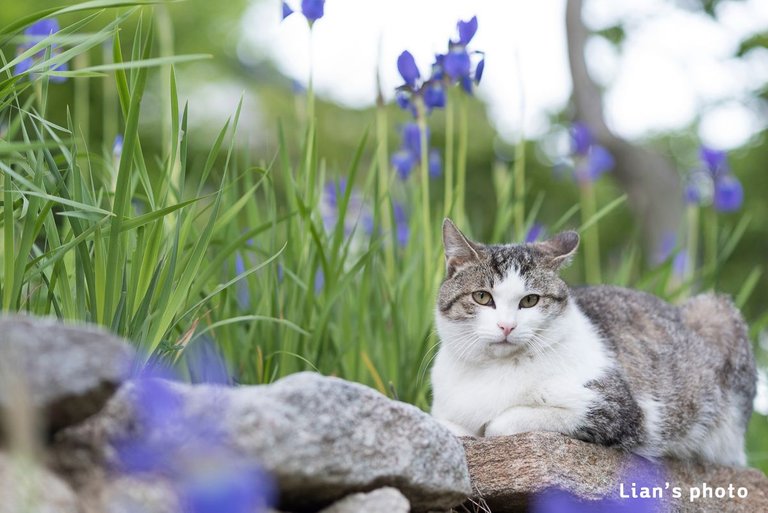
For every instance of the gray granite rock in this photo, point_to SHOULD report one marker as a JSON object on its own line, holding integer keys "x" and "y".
{"x": 322, "y": 439}
{"x": 509, "y": 472}
{"x": 66, "y": 373}
{"x": 26, "y": 487}
{"x": 383, "y": 500}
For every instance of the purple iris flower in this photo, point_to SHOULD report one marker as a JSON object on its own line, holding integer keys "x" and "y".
{"x": 287, "y": 11}
{"x": 409, "y": 154}
{"x": 729, "y": 194}
{"x": 714, "y": 181}
{"x": 312, "y": 10}
{"x": 534, "y": 232}
{"x": 467, "y": 30}
{"x": 591, "y": 160}
{"x": 457, "y": 63}
{"x": 431, "y": 91}
{"x": 319, "y": 281}
{"x": 36, "y": 33}
{"x": 435, "y": 164}
{"x": 641, "y": 473}
{"x": 403, "y": 162}
{"x": 191, "y": 451}
{"x": 406, "y": 65}
{"x": 403, "y": 231}
{"x": 581, "y": 138}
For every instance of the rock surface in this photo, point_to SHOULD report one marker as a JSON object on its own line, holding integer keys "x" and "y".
{"x": 67, "y": 373}
{"x": 27, "y": 487}
{"x": 383, "y": 500}
{"x": 322, "y": 438}
{"x": 507, "y": 472}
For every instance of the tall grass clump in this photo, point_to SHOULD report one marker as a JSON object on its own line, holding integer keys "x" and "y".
{"x": 297, "y": 261}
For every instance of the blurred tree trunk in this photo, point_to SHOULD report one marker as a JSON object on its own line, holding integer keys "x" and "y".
{"x": 649, "y": 179}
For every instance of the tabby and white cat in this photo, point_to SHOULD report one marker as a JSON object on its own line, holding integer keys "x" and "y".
{"x": 521, "y": 351}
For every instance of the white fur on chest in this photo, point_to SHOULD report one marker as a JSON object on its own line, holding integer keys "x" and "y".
{"x": 472, "y": 394}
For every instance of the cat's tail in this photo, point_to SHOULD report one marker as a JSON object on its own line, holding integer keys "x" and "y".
{"x": 716, "y": 319}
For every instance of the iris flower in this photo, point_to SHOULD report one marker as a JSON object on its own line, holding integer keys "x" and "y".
{"x": 714, "y": 182}
{"x": 34, "y": 34}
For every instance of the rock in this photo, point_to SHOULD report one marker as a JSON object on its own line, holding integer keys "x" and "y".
{"x": 129, "y": 494}
{"x": 321, "y": 438}
{"x": 509, "y": 472}
{"x": 383, "y": 500}
{"x": 28, "y": 487}
{"x": 67, "y": 373}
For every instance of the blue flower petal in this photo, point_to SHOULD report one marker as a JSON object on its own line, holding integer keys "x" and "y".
{"x": 435, "y": 164}
{"x": 313, "y": 9}
{"x": 434, "y": 96}
{"x": 729, "y": 194}
{"x": 581, "y": 138}
{"x": 714, "y": 160}
{"x": 457, "y": 63}
{"x": 403, "y": 99}
{"x": 534, "y": 232}
{"x": 287, "y": 11}
{"x": 692, "y": 194}
{"x": 319, "y": 280}
{"x": 438, "y": 67}
{"x": 42, "y": 28}
{"x": 600, "y": 161}
{"x": 412, "y": 139}
{"x": 467, "y": 85}
{"x": 22, "y": 66}
{"x": 467, "y": 30}
{"x": 406, "y": 65}
{"x": 402, "y": 229}
{"x": 403, "y": 163}
{"x": 479, "y": 70}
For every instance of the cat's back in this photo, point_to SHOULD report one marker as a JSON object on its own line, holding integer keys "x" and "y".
{"x": 694, "y": 360}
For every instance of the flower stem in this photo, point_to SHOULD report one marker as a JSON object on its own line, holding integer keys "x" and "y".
{"x": 425, "y": 211}
{"x": 448, "y": 198}
{"x": 693, "y": 243}
{"x": 590, "y": 235}
{"x": 519, "y": 185}
{"x": 461, "y": 164}
{"x": 384, "y": 201}
{"x": 711, "y": 244}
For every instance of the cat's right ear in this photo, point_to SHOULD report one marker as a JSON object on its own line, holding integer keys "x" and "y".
{"x": 459, "y": 250}
{"x": 561, "y": 248}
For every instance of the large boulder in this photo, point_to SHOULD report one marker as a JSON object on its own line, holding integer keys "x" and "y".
{"x": 321, "y": 438}
{"x": 66, "y": 373}
{"x": 511, "y": 473}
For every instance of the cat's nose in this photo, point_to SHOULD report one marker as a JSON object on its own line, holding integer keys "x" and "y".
{"x": 506, "y": 327}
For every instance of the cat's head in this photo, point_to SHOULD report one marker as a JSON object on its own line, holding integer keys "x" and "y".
{"x": 498, "y": 301}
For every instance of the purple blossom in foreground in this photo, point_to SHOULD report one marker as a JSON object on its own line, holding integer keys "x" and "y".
{"x": 590, "y": 160}
{"x": 640, "y": 474}
{"x": 34, "y": 34}
{"x": 714, "y": 182}
{"x": 190, "y": 451}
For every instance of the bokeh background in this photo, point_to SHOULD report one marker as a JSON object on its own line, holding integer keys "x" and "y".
{"x": 655, "y": 80}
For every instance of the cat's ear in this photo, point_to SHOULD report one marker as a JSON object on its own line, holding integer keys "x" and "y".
{"x": 560, "y": 248}
{"x": 459, "y": 250}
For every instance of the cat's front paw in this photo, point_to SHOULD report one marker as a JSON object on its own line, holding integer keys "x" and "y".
{"x": 502, "y": 426}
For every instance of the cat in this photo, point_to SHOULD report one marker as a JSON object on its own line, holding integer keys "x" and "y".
{"x": 522, "y": 351}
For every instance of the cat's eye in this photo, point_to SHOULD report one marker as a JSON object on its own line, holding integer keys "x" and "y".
{"x": 529, "y": 301}
{"x": 482, "y": 297}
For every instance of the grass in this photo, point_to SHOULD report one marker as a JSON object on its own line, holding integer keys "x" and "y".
{"x": 170, "y": 252}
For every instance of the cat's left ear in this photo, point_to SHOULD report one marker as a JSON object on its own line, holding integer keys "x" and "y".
{"x": 560, "y": 248}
